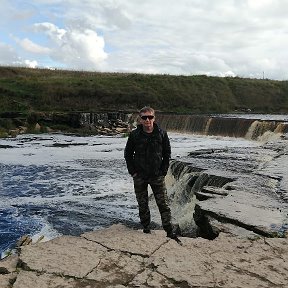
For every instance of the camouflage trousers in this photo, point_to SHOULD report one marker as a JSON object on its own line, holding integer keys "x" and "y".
{"x": 158, "y": 187}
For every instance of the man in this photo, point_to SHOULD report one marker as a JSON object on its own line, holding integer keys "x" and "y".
{"x": 147, "y": 155}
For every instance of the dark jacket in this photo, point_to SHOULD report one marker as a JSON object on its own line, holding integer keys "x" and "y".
{"x": 148, "y": 154}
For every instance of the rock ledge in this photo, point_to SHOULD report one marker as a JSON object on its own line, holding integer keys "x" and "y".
{"x": 122, "y": 257}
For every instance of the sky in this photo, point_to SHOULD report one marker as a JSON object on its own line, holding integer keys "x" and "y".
{"x": 244, "y": 38}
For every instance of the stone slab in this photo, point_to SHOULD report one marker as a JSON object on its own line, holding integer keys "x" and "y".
{"x": 66, "y": 255}
{"x": 226, "y": 262}
{"x": 8, "y": 264}
{"x": 29, "y": 279}
{"x": 128, "y": 240}
{"x": 6, "y": 280}
{"x": 246, "y": 209}
{"x": 117, "y": 268}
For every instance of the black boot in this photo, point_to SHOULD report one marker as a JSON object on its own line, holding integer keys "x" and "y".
{"x": 146, "y": 230}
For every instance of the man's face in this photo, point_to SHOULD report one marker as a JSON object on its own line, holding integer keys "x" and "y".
{"x": 147, "y": 119}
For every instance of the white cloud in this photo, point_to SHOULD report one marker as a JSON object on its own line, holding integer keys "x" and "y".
{"x": 7, "y": 54}
{"x": 263, "y": 4}
{"x": 55, "y": 33}
{"x": 212, "y": 37}
{"x": 29, "y": 46}
{"x": 31, "y": 64}
{"x": 81, "y": 49}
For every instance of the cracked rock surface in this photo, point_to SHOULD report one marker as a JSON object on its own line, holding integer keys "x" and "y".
{"x": 121, "y": 257}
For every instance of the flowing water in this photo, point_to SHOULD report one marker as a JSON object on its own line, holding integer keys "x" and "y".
{"x": 53, "y": 184}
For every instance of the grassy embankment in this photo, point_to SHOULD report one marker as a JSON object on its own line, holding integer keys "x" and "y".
{"x": 28, "y": 90}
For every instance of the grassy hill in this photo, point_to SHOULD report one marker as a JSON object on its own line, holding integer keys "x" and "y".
{"x": 27, "y": 89}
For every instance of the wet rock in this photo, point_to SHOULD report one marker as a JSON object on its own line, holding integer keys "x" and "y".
{"x": 6, "y": 146}
{"x": 121, "y": 130}
{"x": 37, "y": 127}
{"x": 14, "y": 132}
{"x": 24, "y": 240}
{"x": 203, "y": 222}
{"x": 215, "y": 190}
{"x": 204, "y": 196}
{"x": 208, "y": 192}
{"x": 106, "y": 123}
{"x": 206, "y": 151}
{"x": 247, "y": 188}
{"x": 22, "y": 129}
{"x": 68, "y": 144}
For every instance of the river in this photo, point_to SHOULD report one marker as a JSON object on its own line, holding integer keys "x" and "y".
{"x": 54, "y": 184}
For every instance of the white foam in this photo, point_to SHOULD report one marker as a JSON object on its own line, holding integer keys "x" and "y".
{"x": 42, "y": 152}
{"x": 102, "y": 156}
{"x": 182, "y": 144}
{"x": 45, "y": 234}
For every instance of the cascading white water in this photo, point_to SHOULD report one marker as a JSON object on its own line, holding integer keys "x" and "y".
{"x": 252, "y": 127}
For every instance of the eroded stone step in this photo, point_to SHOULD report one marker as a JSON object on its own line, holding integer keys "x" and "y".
{"x": 214, "y": 190}
{"x": 201, "y": 196}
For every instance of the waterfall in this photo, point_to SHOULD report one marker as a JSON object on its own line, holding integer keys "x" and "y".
{"x": 104, "y": 119}
{"x": 179, "y": 180}
{"x": 233, "y": 127}
{"x": 183, "y": 123}
{"x": 206, "y": 131}
{"x": 253, "y": 129}
{"x": 184, "y": 182}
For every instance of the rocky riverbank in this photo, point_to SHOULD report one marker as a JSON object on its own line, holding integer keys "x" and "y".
{"x": 242, "y": 191}
{"x": 240, "y": 201}
{"x": 98, "y": 123}
{"x": 122, "y": 257}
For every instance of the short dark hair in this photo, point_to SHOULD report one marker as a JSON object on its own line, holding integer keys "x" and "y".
{"x": 147, "y": 109}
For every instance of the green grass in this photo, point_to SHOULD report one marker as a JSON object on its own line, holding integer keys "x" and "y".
{"x": 27, "y": 89}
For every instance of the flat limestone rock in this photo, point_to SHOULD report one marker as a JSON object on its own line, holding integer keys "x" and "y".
{"x": 7, "y": 279}
{"x": 8, "y": 271}
{"x": 215, "y": 190}
{"x": 226, "y": 262}
{"x": 66, "y": 255}
{"x": 8, "y": 264}
{"x": 279, "y": 167}
{"x": 244, "y": 187}
{"x": 117, "y": 268}
{"x": 246, "y": 209}
{"x": 27, "y": 279}
{"x": 149, "y": 278}
{"x": 128, "y": 240}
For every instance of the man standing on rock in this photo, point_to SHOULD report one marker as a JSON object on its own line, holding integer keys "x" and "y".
{"x": 147, "y": 155}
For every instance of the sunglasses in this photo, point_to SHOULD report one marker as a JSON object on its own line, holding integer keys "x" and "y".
{"x": 145, "y": 117}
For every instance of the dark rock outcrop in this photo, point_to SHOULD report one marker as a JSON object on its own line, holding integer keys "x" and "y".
{"x": 103, "y": 123}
